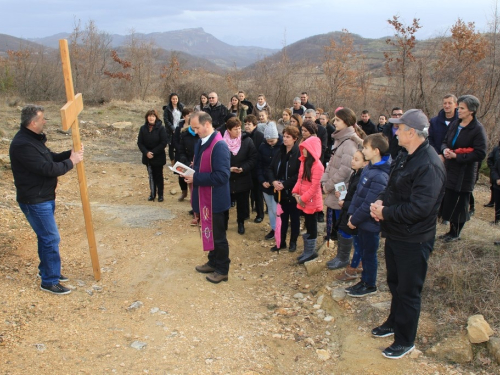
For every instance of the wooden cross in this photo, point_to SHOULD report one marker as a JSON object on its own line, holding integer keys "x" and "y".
{"x": 69, "y": 116}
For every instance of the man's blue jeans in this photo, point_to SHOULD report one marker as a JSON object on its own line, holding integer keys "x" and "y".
{"x": 41, "y": 218}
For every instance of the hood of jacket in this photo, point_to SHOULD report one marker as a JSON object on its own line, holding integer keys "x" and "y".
{"x": 313, "y": 147}
{"x": 347, "y": 133}
{"x": 384, "y": 164}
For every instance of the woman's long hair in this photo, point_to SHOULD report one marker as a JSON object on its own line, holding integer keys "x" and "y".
{"x": 308, "y": 163}
{"x": 237, "y": 105}
{"x": 201, "y": 104}
{"x": 170, "y": 100}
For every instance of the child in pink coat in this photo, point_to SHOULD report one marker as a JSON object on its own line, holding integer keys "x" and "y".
{"x": 307, "y": 192}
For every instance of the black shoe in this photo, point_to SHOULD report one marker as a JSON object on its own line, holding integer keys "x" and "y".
{"x": 61, "y": 278}
{"x": 382, "y": 331}
{"x": 321, "y": 217}
{"x": 241, "y": 228}
{"x": 472, "y": 212}
{"x": 293, "y": 246}
{"x": 354, "y": 287}
{"x": 270, "y": 235}
{"x": 55, "y": 289}
{"x": 445, "y": 222}
{"x": 160, "y": 198}
{"x": 362, "y": 291}
{"x": 444, "y": 236}
{"x": 191, "y": 212}
{"x": 258, "y": 219}
{"x": 497, "y": 243}
{"x": 282, "y": 246}
{"x": 451, "y": 239}
{"x": 397, "y": 351}
{"x": 151, "y": 198}
{"x": 233, "y": 204}
{"x": 489, "y": 204}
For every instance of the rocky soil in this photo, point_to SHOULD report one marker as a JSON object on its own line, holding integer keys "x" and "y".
{"x": 151, "y": 312}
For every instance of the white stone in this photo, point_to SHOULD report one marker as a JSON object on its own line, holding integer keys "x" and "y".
{"x": 138, "y": 345}
{"x": 323, "y": 354}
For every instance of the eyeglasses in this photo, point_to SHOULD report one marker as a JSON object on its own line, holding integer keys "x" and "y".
{"x": 211, "y": 97}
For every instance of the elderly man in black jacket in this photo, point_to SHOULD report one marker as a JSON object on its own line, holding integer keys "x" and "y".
{"x": 407, "y": 211}
{"x": 216, "y": 110}
{"x": 35, "y": 169}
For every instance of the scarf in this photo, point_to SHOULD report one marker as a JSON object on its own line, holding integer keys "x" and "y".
{"x": 234, "y": 144}
{"x": 205, "y": 197}
{"x": 261, "y": 107}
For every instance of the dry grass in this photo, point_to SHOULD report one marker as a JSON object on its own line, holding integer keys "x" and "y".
{"x": 463, "y": 278}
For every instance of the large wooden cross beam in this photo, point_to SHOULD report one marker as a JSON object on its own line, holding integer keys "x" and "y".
{"x": 69, "y": 116}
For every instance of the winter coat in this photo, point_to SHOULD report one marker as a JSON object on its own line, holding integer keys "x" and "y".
{"x": 461, "y": 172}
{"x": 288, "y": 176}
{"x": 299, "y": 111}
{"x": 438, "y": 129}
{"x": 246, "y": 158}
{"x": 242, "y": 112}
{"x": 218, "y": 178}
{"x": 372, "y": 182}
{"x": 266, "y": 108}
{"x": 413, "y": 195}
{"x": 323, "y": 136}
{"x": 168, "y": 119}
{"x": 351, "y": 189}
{"x": 218, "y": 112}
{"x": 309, "y": 105}
{"x": 281, "y": 125}
{"x": 495, "y": 174}
{"x": 266, "y": 154}
{"x": 339, "y": 167}
{"x": 154, "y": 141}
{"x": 187, "y": 142}
{"x": 310, "y": 191}
{"x": 394, "y": 146}
{"x": 249, "y": 106}
{"x": 35, "y": 167}
{"x": 369, "y": 127}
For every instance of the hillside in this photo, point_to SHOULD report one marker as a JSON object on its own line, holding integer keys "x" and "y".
{"x": 195, "y": 42}
{"x": 8, "y": 42}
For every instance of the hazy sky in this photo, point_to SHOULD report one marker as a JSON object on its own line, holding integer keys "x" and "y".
{"x": 259, "y": 23}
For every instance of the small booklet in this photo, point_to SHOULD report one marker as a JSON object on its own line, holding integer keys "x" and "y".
{"x": 183, "y": 169}
{"x": 342, "y": 189}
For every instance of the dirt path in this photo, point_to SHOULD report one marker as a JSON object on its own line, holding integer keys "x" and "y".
{"x": 256, "y": 323}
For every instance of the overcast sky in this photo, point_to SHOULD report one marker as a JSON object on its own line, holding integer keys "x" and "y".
{"x": 259, "y": 23}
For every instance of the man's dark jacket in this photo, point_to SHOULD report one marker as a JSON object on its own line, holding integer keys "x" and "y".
{"x": 413, "y": 195}
{"x": 218, "y": 112}
{"x": 438, "y": 128}
{"x": 368, "y": 127}
{"x": 394, "y": 146}
{"x": 35, "y": 167}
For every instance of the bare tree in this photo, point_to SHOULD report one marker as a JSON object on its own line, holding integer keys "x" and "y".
{"x": 398, "y": 61}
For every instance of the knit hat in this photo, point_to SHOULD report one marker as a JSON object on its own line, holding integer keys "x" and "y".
{"x": 311, "y": 127}
{"x": 270, "y": 131}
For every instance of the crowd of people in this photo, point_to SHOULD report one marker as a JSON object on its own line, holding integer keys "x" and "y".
{"x": 394, "y": 178}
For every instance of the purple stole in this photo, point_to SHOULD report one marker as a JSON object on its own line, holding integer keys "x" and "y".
{"x": 205, "y": 197}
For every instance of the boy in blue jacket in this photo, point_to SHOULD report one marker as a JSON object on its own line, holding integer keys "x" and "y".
{"x": 372, "y": 182}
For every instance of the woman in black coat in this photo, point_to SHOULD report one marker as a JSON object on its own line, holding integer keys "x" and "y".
{"x": 172, "y": 115}
{"x": 243, "y": 160}
{"x": 463, "y": 148}
{"x": 152, "y": 141}
{"x": 283, "y": 173}
{"x": 183, "y": 124}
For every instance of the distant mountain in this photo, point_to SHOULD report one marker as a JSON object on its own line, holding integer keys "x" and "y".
{"x": 12, "y": 43}
{"x": 195, "y": 42}
{"x": 312, "y": 49}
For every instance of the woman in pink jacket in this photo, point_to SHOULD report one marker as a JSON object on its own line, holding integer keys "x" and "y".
{"x": 307, "y": 192}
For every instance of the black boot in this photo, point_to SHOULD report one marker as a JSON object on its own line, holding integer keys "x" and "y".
{"x": 241, "y": 228}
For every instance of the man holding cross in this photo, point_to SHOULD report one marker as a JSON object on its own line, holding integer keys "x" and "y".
{"x": 35, "y": 169}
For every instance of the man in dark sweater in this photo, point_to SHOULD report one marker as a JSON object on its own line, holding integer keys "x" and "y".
{"x": 35, "y": 169}
{"x": 366, "y": 124}
{"x": 439, "y": 124}
{"x": 390, "y": 130}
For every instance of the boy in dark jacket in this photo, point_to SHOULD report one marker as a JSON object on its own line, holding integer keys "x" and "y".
{"x": 372, "y": 182}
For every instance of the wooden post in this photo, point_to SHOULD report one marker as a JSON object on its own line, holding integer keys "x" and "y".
{"x": 69, "y": 116}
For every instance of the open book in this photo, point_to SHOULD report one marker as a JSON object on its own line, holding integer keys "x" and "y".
{"x": 182, "y": 169}
{"x": 342, "y": 189}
